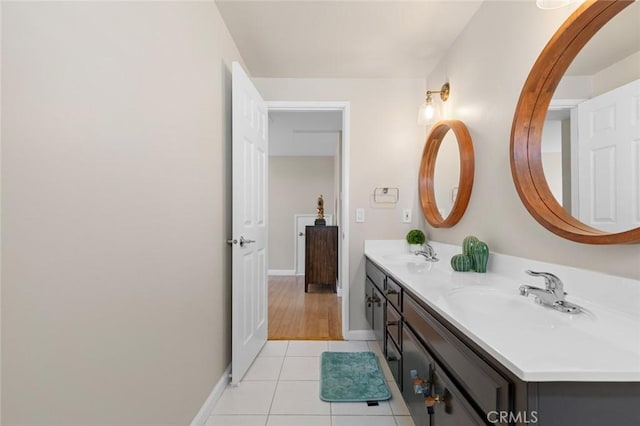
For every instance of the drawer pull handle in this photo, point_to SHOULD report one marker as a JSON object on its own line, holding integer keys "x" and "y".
{"x": 393, "y": 322}
{"x": 391, "y": 358}
{"x": 390, "y": 291}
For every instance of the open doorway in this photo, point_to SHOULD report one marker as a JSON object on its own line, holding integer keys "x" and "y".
{"x": 307, "y": 158}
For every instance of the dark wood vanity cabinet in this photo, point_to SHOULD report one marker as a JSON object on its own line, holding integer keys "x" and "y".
{"x": 321, "y": 256}
{"x": 415, "y": 346}
{"x": 467, "y": 386}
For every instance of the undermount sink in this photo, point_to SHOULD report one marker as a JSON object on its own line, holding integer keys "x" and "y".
{"x": 490, "y": 305}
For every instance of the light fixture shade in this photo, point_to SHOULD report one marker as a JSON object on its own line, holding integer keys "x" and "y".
{"x": 552, "y": 4}
{"x": 428, "y": 114}
{"x": 425, "y": 114}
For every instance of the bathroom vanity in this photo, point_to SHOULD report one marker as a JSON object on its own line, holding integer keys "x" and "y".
{"x": 466, "y": 349}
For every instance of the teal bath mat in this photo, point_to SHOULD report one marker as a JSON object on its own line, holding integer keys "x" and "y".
{"x": 352, "y": 377}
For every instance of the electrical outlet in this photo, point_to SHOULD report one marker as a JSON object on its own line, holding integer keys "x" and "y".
{"x": 406, "y": 216}
{"x": 360, "y": 215}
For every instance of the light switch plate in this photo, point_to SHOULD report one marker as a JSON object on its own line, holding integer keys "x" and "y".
{"x": 360, "y": 215}
{"x": 406, "y": 216}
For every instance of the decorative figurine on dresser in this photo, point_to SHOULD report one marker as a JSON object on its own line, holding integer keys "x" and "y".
{"x": 321, "y": 252}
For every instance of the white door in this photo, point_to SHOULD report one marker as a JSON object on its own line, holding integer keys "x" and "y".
{"x": 249, "y": 253}
{"x": 302, "y": 221}
{"x": 608, "y": 157}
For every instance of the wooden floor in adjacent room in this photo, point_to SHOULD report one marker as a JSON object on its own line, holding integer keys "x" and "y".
{"x": 296, "y": 315}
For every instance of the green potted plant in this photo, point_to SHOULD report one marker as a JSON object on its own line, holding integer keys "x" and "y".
{"x": 416, "y": 239}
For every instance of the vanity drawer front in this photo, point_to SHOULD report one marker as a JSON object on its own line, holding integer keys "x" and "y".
{"x": 375, "y": 274}
{"x": 487, "y": 387}
{"x": 394, "y": 293}
{"x": 394, "y": 325}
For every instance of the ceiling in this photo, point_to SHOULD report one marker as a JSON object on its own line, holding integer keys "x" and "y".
{"x": 615, "y": 41}
{"x": 344, "y": 39}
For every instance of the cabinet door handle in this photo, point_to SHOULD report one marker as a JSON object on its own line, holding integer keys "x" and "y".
{"x": 393, "y": 322}
{"x": 391, "y": 358}
{"x": 369, "y": 301}
{"x": 420, "y": 385}
{"x": 432, "y": 400}
{"x": 390, "y": 291}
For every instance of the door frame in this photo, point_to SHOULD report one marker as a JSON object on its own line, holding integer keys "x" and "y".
{"x": 343, "y": 107}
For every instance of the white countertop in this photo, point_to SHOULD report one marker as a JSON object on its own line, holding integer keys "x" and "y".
{"x": 536, "y": 343}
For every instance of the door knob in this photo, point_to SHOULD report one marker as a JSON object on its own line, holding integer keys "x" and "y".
{"x": 301, "y": 234}
{"x": 232, "y": 241}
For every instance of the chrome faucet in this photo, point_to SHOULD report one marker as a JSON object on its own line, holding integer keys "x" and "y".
{"x": 552, "y": 295}
{"x": 427, "y": 252}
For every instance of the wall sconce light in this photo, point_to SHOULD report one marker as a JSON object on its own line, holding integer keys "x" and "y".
{"x": 427, "y": 110}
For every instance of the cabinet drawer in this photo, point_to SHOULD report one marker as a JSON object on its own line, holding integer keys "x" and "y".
{"x": 394, "y": 326}
{"x": 375, "y": 274}
{"x": 487, "y": 388}
{"x": 393, "y": 292}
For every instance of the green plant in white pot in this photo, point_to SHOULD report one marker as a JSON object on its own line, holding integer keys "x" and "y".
{"x": 416, "y": 239}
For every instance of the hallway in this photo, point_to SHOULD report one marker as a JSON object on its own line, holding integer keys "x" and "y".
{"x": 296, "y": 315}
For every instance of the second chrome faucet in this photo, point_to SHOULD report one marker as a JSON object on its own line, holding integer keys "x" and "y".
{"x": 552, "y": 295}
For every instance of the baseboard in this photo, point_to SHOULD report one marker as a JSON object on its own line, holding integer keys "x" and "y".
{"x": 282, "y": 272}
{"x": 205, "y": 411}
{"x": 359, "y": 335}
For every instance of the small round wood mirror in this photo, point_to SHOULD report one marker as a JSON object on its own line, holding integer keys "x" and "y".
{"x": 597, "y": 220}
{"x": 446, "y": 173}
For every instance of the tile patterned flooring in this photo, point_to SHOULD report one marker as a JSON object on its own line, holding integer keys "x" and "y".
{"x": 282, "y": 389}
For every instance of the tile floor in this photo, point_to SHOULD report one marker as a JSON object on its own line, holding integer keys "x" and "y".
{"x": 282, "y": 389}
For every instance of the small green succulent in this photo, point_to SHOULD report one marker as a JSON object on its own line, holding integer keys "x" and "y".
{"x": 416, "y": 236}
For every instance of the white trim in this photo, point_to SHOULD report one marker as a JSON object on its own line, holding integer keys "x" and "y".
{"x": 344, "y": 223}
{"x": 557, "y": 104}
{"x": 359, "y": 335}
{"x": 282, "y": 272}
{"x": 205, "y": 411}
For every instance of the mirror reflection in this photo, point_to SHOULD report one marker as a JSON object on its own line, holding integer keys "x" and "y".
{"x": 591, "y": 137}
{"x": 447, "y": 174}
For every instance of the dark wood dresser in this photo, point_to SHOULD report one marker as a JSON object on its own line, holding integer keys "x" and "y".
{"x": 321, "y": 256}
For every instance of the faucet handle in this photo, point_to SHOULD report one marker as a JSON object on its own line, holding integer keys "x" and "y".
{"x": 552, "y": 282}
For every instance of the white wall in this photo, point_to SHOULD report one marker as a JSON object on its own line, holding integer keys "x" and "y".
{"x": 385, "y": 149}
{"x": 295, "y": 183}
{"x": 486, "y": 82}
{"x": 618, "y": 74}
{"x": 115, "y": 195}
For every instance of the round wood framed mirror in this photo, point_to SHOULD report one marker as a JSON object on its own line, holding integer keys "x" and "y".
{"x": 529, "y": 120}
{"x": 447, "y": 167}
